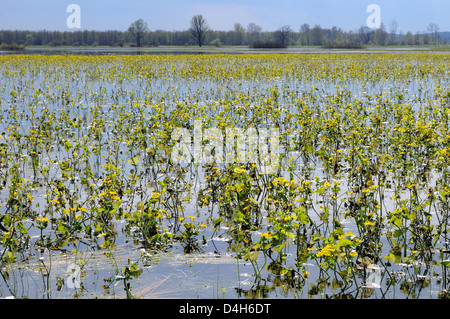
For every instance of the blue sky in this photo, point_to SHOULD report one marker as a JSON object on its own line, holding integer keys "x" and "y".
{"x": 412, "y": 15}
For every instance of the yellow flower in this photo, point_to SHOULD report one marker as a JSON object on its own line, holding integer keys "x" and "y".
{"x": 327, "y": 250}
{"x": 240, "y": 170}
{"x": 43, "y": 220}
{"x": 265, "y": 235}
{"x": 349, "y": 234}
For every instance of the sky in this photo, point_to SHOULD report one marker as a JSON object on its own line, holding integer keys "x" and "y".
{"x": 410, "y": 15}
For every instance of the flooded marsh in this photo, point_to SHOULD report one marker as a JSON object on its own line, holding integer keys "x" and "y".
{"x": 225, "y": 176}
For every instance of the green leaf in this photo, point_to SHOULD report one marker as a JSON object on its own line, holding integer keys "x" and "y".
{"x": 67, "y": 146}
{"x": 278, "y": 248}
{"x": 134, "y": 161}
{"x": 337, "y": 283}
{"x": 252, "y": 255}
{"x": 396, "y": 221}
{"x": 397, "y": 233}
{"x": 303, "y": 218}
{"x": 22, "y": 228}
{"x": 1, "y": 226}
{"x": 290, "y": 235}
{"x": 343, "y": 242}
{"x": 320, "y": 190}
{"x": 217, "y": 222}
{"x": 61, "y": 228}
{"x": 116, "y": 206}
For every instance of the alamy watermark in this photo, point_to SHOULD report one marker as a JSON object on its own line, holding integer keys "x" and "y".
{"x": 259, "y": 146}
{"x": 74, "y": 19}
{"x": 374, "y": 19}
{"x": 374, "y": 278}
{"x": 74, "y": 279}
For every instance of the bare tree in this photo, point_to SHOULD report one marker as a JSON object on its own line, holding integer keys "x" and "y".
{"x": 393, "y": 31}
{"x": 283, "y": 34}
{"x": 138, "y": 29}
{"x": 198, "y": 29}
{"x": 433, "y": 29}
{"x": 253, "y": 32}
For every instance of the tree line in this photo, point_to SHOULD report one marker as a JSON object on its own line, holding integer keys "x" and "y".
{"x": 199, "y": 33}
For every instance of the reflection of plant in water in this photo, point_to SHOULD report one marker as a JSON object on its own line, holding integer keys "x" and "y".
{"x": 146, "y": 222}
{"x": 189, "y": 234}
{"x": 130, "y": 271}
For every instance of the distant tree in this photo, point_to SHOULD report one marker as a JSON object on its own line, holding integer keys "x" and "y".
{"x": 393, "y": 31}
{"x": 239, "y": 34}
{"x": 283, "y": 34}
{"x": 433, "y": 30}
{"x": 216, "y": 42}
{"x": 409, "y": 38}
{"x": 138, "y": 29}
{"x": 364, "y": 34}
{"x": 420, "y": 39}
{"x": 380, "y": 35}
{"x": 304, "y": 34}
{"x": 29, "y": 39}
{"x": 316, "y": 35}
{"x": 139, "y": 34}
{"x": 253, "y": 32}
{"x": 339, "y": 38}
{"x": 198, "y": 29}
{"x": 383, "y": 34}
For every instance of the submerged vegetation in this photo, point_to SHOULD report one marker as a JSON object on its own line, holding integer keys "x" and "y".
{"x": 357, "y": 207}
